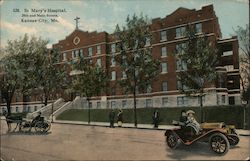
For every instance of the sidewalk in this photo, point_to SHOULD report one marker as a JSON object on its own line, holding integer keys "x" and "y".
{"x": 139, "y": 126}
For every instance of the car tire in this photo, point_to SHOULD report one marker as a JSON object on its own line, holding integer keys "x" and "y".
{"x": 172, "y": 140}
{"x": 233, "y": 139}
{"x": 219, "y": 143}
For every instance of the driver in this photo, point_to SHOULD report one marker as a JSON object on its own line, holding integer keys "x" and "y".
{"x": 191, "y": 121}
{"x": 37, "y": 118}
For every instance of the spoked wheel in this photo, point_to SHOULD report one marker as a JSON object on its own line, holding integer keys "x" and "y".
{"x": 40, "y": 127}
{"x": 219, "y": 143}
{"x": 233, "y": 139}
{"x": 25, "y": 126}
{"x": 172, "y": 140}
{"x": 46, "y": 126}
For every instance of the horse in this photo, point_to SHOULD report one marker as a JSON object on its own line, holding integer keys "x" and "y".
{"x": 12, "y": 119}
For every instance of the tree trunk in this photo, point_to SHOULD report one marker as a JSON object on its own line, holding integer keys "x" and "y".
{"x": 201, "y": 112}
{"x": 46, "y": 101}
{"x": 135, "y": 113}
{"x": 88, "y": 111}
{"x": 8, "y": 102}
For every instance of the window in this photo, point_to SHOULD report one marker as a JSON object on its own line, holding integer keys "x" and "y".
{"x": 181, "y": 65}
{"x": 124, "y": 103}
{"x": 73, "y": 54}
{"x": 203, "y": 100}
{"x": 147, "y": 43}
{"x": 113, "y": 61}
{"x": 182, "y": 101}
{"x": 90, "y": 104}
{"x": 98, "y": 49}
{"x": 90, "y": 52}
{"x": 164, "y": 86}
{"x": 124, "y": 61}
{"x": 163, "y": 35}
{"x": 180, "y": 31}
{"x": 99, "y": 62}
{"x": 124, "y": 75}
{"x": 179, "y": 85}
{"x": 113, "y": 74}
{"x": 81, "y": 53}
{"x": 164, "y": 67}
{"x": 198, "y": 28}
{"x": 149, "y": 103}
{"x": 113, "y": 104}
{"x": 113, "y": 91}
{"x": 113, "y": 48}
{"x": 164, "y": 101}
{"x": 164, "y": 51}
{"x": 180, "y": 48}
{"x": 64, "y": 56}
{"x": 98, "y": 104}
{"x": 35, "y": 108}
{"x": 17, "y": 110}
{"x": 28, "y": 108}
{"x": 76, "y": 53}
{"x": 149, "y": 88}
{"x": 223, "y": 99}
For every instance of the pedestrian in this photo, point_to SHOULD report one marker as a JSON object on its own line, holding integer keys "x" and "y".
{"x": 112, "y": 118}
{"x": 156, "y": 118}
{"x": 120, "y": 118}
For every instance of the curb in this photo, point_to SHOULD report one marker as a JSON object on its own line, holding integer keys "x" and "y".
{"x": 142, "y": 128}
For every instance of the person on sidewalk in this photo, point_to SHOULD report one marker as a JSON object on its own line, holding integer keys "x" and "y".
{"x": 156, "y": 119}
{"x": 120, "y": 118}
{"x": 112, "y": 118}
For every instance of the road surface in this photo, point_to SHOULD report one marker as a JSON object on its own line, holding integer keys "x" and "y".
{"x": 79, "y": 142}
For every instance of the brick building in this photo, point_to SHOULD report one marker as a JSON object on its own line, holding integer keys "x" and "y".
{"x": 168, "y": 35}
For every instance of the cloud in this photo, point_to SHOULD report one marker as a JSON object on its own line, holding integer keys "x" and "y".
{"x": 17, "y": 28}
{"x": 243, "y": 1}
{"x": 65, "y": 23}
{"x": 79, "y": 3}
{"x": 1, "y": 2}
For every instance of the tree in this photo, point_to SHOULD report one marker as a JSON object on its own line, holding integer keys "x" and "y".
{"x": 50, "y": 76}
{"x": 243, "y": 37}
{"x": 90, "y": 80}
{"x": 134, "y": 58}
{"x": 8, "y": 80}
{"x": 200, "y": 58}
{"x": 17, "y": 67}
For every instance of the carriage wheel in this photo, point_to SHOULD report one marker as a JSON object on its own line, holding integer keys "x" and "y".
{"x": 40, "y": 127}
{"x": 47, "y": 126}
{"x": 219, "y": 143}
{"x": 25, "y": 126}
{"x": 172, "y": 140}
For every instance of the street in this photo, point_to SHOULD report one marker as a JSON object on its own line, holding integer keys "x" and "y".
{"x": 78, "y": 142}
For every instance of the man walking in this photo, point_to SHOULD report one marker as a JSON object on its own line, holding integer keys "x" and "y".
{"x": 156, "y": 118}
{"x": 112, "y": 118}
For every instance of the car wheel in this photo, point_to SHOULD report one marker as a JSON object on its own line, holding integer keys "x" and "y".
{"x": 233, "y": 139}
{"x": 172, "y": 140}
{"x": 219, "y": 143}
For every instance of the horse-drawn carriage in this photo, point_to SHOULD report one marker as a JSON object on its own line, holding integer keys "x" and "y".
{"x": 38, "y": 123}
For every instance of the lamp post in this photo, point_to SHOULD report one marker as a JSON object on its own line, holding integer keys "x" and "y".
{"x": 244, "y": 114}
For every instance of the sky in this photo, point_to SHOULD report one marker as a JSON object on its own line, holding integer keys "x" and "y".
{"x": 103, "y": 15}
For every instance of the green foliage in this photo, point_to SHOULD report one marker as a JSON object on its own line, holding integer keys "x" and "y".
{"x": 90, "y": 80}
{"x": 49, "y": 75}
{"x": 134, "y": 58}
{"x": 201, "y": 59}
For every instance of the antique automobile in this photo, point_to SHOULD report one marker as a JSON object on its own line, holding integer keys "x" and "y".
{"x": 218, "y": 135}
